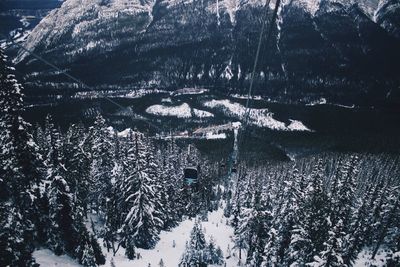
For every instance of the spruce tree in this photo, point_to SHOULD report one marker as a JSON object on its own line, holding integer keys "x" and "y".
{"x": 20, "y": 174}
{"x": 102, "y": 165}
{"x": 195, "y": 253}
{"x": 141, "y": 224}
{"x": 77, "y": 162}
{"x": 214, "y": 253}
{"x": 61, "y": 205}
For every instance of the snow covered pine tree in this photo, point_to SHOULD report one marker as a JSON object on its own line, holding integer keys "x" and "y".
{"x": 20, "y": 175}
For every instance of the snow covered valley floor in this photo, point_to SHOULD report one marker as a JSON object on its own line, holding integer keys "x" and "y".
{"x": 170, "y": 247}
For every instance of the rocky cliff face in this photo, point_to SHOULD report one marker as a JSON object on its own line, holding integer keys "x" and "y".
{"x": 388, "y": 16}
{"x": 328, "y": 48}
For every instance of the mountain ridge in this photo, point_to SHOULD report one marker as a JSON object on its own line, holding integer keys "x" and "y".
{"x": 338, "y": 50}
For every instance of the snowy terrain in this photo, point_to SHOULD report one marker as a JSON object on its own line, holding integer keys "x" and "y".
{"x": 189, "y": 91}
{"x": 172, "y": 244}
{"x": 136, "y": 93}
{"x": 258, "y": 117}
{"x": 296, "y": 125}
{"x": 321, "y": 101}
{"x": 239, "y": 96}
{"x": 181, "y": 111}
{"x": 215, "y": 227}
{"x": 202, "y": 113}
{"x": 47, "y": 258}
{"x": 211, "y": 135}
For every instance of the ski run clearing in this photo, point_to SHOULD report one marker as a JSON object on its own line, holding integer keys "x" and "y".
{"x": 258, "y": 117}
{"x": 215, "y": 227}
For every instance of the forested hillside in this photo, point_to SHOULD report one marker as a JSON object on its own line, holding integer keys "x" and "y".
{"x": 51, "y": 182}
{"x": 327, "y": 209}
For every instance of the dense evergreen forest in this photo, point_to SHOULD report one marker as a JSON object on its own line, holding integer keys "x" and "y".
{"x": 320, "y": 210}
{"x": 51, "y": 181}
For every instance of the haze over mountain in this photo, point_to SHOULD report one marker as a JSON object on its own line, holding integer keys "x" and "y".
{"x": 346, "y": 51}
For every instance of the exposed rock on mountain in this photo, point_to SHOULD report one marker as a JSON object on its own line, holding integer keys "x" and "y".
{"x": 388, "y": 16}
{"x": 326, "y": 48}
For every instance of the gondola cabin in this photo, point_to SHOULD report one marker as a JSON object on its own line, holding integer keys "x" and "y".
{"x": 191, "y": 175}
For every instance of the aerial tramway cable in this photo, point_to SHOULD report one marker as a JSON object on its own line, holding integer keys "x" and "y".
{"x": 256, "y": 59}
{"x": 250, "y": 91}
{"x": 84, "y": 85}
{"x": 249, "y": 95}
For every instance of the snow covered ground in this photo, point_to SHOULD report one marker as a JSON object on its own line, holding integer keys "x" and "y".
{"x": 170, "y": 247}
{"x": 47, "y": 258}
{"x": 296, "y": 125}
{"x": 181, "y": 111}
{"x": 323, "y": 101}
{"x": 189, "y": 91}
{"x": 364, "y": 258}
{"x": 165, "y": 250}
{"x": 211, "y": 135}
{"x": 238, "y": 96}
{"x": 202, "y": 113}
{"x": 258, "y": 117}
{"x": 172, "y": 244}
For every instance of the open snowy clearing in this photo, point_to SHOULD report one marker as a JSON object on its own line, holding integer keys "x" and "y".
{"x": 258, "y": 117}
{"x": 170, "y": 247}
{"x": 211, "y": 135}
{"x": 181, "y": 111}
{"x": 189, "y": 91}
{"x": 202, "y": 113}
{"x": 47, "y": 258}
{"x": 165, "y": 250}
{"x": 239, "y": 96}
{"x": 323, "y": 101}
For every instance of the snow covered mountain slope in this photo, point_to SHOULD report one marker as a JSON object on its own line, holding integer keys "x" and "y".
{"x": 324, "y": 48}
{"x": 85, "y": 22}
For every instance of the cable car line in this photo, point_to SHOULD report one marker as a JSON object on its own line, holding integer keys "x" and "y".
{"x": 191, "y": 173}
{"x": 89, "y": 88}
{"x": 249, "y": 95}
{"x": 250, "y": 91}
{"x": 268, "y": 36}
